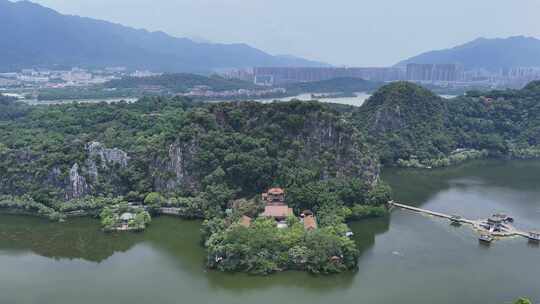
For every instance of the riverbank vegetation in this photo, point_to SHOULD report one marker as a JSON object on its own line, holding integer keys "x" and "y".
{"x": 457, "y": 157}
{"x": 26, "y": 205}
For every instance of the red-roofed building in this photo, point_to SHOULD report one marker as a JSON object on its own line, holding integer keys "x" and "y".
{"x": 278, "y": 212}
{"x": 275, "y": 205}
{"x": 275, "y": 196}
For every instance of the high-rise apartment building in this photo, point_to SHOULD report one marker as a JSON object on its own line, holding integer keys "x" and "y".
{"x": 434, "y": 72}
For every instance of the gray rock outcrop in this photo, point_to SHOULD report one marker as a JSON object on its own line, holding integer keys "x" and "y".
{"x": 175, "y": 171}
{"x": 77, "y": 184}
{"x": 104, "y": 157}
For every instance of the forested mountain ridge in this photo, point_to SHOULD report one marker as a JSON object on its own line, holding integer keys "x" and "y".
{"x": 490, "y": 54}
{"x": 172, "y": 145}
{"x": 35, "y": 36}
{"x": 163, "y": 145}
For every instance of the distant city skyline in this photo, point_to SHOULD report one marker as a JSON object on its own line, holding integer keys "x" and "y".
{"x": 378, "y": 33}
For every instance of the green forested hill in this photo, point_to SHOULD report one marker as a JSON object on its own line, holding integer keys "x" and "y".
{"x": 505, "y": 122}
{"x": 404, "y": 120}
{"x": 173, "y": 146}
{"x": 409, "y": 125}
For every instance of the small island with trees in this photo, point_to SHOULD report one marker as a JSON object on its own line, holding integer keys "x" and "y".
{"x": 277, "y": 239}
{"x": 123, "y": 217}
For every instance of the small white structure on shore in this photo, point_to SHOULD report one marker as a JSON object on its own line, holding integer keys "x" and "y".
{"x": 126, "y": 217}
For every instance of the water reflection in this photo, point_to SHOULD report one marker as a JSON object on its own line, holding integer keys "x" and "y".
{"x": 175, "y": 240}
{"x": 533, "y": 244}
{"x": 78, "y": 239}
{"x": 406, "y": 258}
{"x": 419, "y": 185}
{"x": 366, "y": 231}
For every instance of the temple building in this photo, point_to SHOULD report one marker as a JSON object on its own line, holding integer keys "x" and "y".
{"x": 274, "y": 196}
{"x": 275, "y": 206}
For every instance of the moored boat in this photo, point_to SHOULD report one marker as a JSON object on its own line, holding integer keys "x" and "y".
{"x": 534, "y": 237}
{"x": 486, "y": 238}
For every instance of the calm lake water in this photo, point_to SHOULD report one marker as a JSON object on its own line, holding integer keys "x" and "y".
{"x": 357, "y": 100}
{"x": 406, "y": 258}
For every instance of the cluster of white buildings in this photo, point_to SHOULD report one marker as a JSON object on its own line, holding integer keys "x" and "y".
{"x": 453, "y": 75}
{"x": 44, "y": 78}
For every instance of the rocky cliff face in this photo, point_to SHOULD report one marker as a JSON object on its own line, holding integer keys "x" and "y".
{"x": 323, "y": 136}
{"x": 176, "y": 170}
{"x": 388, "y": 120}
{"x": 316, "y": 137}
{"x": 107, "y": 156}
{"x": 100, "y": 162}
{"x": 101, "y": 158}
{"x": 341, "y": 148}
{"x": 77, "y": 185}
{"x": 247, "y": 145}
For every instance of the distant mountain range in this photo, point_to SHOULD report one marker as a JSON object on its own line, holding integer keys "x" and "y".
{"x": 491, "y": 54}
{"x": 36, "y": 36}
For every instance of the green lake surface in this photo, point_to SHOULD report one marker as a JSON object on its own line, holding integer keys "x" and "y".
{"x": 406, "y": 258}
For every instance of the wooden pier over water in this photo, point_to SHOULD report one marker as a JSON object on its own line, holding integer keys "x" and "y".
{"x": 425, "y": 211}
{"x": 507, "y": 229}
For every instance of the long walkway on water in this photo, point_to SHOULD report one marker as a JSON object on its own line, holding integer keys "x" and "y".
{"x": 477, "y": 224}
{"x": 438, "y": 214}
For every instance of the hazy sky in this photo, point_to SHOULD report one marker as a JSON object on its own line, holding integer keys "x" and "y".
{"x": 340, "y": 32}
